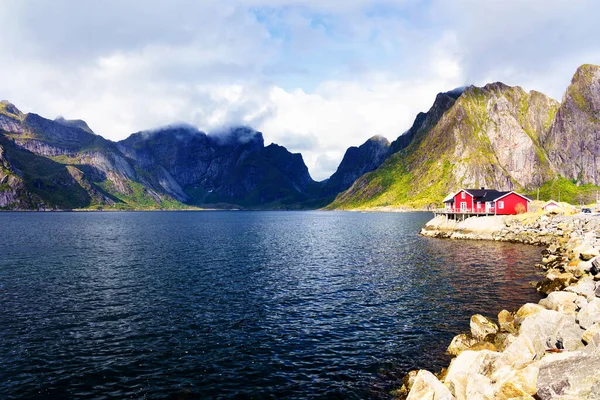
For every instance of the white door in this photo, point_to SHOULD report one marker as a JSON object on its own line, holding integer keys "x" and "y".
{"x": 463, "y": 206}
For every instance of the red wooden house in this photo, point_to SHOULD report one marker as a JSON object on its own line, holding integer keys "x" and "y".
{"x": 487, "y": 202}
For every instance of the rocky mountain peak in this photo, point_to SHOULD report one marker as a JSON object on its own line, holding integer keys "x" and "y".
{"x": 9, "y": 109}
{"x": 74, "y": 123}
{"x": 378, "y": 139}
{"x": 238, "y": 136}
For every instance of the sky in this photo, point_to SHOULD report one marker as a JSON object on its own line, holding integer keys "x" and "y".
{"x": 315, "y": 76}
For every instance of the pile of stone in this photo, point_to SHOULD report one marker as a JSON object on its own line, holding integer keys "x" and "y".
{"x": 549, "y": 350}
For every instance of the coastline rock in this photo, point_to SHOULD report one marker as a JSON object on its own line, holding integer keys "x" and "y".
{"x": 588, "y": 253}
{"x": 590, "y": 332}
{"x": 482, "y": 326}
{"x": 560, "y": 301}
{"x": 575, "y": 376}
{"x": 461, "y": 343}
{"x": 526, "y": 310}
{"x": 466, "y": 366}
{"x": 427, "y": 386}
{"x": 589, "y": 314}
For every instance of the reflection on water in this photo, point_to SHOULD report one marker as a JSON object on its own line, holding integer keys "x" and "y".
{"x": 260, "y": 304}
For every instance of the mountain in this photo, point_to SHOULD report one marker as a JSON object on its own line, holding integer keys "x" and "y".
{"x": 573, "y": 141}
{"x": 62, "y": 164}
{"x": 231, "y": 167}
{"x": 493, "y": 136}
{"x": 358, "y": 161}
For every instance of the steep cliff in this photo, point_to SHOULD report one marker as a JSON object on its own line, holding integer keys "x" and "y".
{"x": 358, "y": 161}
{"x": 487, "y": 136}
{"x": 573, "y": 139}
{"x": 232, "y": 167}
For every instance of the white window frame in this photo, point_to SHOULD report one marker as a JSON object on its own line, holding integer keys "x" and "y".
{"x": 501, "y": 205}
{"x": 462, "y": 195}
{"x": 488, "y": 205}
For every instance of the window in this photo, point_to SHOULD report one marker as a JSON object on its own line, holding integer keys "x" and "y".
{"x": 478, "y": 204}
{"x": 462, "y": 195}
{"x": 488, "y": 205}
{"x": 500, "y": 204}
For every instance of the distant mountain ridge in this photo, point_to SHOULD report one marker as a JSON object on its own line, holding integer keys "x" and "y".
{"x": 62, "y": 164}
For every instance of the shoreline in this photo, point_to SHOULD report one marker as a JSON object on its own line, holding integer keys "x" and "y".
{"x": 541, "y": 351}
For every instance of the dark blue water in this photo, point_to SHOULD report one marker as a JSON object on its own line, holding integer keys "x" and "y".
{"x": 237, "y": 304}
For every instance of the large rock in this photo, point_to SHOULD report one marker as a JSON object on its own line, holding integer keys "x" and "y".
{"x": 461, "y": 343}
{"x": 526, "y": 310}
{"x": 589, "y": 314}
{"x": 427, "y": 387}
{"x": 560, "y": 301}
{"x": 585, "y": 287}
{"x": 506, "y": 321}
{"x": 590, "y": 332}
{"x": 516, "y": 383}
{"x": 543, "y": 330}
{"x": 588, "y": 253}
{"x": 482, "y": 326}
{"x": 466, "y": 366}
{"x": 570, "y": 375}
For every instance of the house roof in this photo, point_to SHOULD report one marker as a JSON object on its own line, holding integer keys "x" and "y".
{"x": 520, "y": 195}
{"x": 550, "y": 203}
{"x": 483, "y": 195}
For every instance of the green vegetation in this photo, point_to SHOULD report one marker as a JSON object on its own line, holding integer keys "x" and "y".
{"x": 566, "y": 190}
{"x": 139, "y": 198}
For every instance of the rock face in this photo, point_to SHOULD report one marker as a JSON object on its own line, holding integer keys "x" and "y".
{"x": 233, "y": 167}
{"x": 492, "y": 136}
{"x": 573, "y": 141}
{"x": 358, "y": 161}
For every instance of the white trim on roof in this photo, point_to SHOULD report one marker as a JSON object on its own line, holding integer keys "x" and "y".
{"x": 449, "y": 197}
{"x": 509, "y": 193}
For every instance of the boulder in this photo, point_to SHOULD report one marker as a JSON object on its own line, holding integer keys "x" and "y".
{"x": 516, "y": 383}
{"x": 555, "y": 281}
{"x": 468, "y": 364}
{"x": 590, "y": 332}
{"x": 526, "y": 310}
{"x": 581, "y": 302}
{"x": 585, "y": 287}
{"x": 574, "y": 375}
{"x": 560, "y": 301}
{"x": 587, "y": 253}
{"x": 543, "y": 330}
{"x": 427, "y": 387}
{"x": 589, "y": 314}
{"x": 480, "y": 387}
{"x": 506, "y": 321}
{"x": 461, "y": 343}
{"x": 482, "y": 326}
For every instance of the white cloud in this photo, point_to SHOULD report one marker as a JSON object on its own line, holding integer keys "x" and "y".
{"x": 316, "y": 76}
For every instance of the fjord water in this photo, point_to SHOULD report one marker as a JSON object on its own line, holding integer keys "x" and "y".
{"x": 238, "y": 304}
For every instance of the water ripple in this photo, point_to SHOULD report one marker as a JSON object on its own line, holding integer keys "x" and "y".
{"x": 237, "y": 304}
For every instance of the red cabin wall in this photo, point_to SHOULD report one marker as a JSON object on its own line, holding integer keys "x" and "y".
{"x": 510, "y": 203}
{"x": 458, "y": 199}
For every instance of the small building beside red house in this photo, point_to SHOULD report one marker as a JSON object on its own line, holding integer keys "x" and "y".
{"x": 486, "y": 202}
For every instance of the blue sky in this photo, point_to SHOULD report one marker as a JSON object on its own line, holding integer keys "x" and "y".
{"x": 316, "y": 76}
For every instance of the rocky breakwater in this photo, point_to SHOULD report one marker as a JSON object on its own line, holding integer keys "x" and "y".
{"x": 548, "y": 350}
